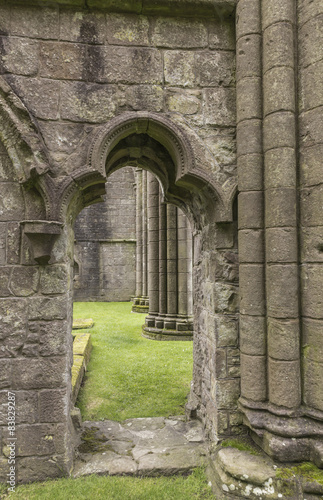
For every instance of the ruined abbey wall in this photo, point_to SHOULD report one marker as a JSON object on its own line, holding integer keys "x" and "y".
{"x": 215, "y": 98}
{"x": 105, "y": 244}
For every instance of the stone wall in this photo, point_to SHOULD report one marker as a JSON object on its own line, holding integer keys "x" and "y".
{"x": 105, "y": 248}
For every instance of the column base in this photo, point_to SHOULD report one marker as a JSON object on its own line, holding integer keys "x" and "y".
{"x": 140, "y": 305}
{"x": 285, "y": 435}
{"x": 167, "y": 328}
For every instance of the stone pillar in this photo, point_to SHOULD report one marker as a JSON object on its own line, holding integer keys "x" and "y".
{"x": 172, "y": 297}
{"x": 251, "y": 203}
{"x": 144, "y": 237}
{"x": 162, "y": 263}
{"x": 140, "y": 301}
{"x": 184, "y": 274}
{"x": 281, "y": 211}
{"x": 310, "y": 33}
{"x": 153, "y": 247}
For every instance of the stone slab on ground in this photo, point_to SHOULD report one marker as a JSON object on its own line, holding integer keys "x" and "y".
{"x": 141, "y": 446}
{"x": 81, "y": 324}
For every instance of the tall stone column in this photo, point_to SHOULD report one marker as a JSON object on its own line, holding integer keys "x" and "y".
{"x": 153, "y": 247}
{"x": 251, "y": 204}
{"x": 172, "y": 286}
{"x": 184, "y": 273}
{"x": 144, "y": 237}
{"x": 281, "y": 211}
{"x": 140, "y": 302}
{"x": 162, "y": 263}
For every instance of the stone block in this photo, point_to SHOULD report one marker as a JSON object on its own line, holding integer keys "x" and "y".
{"x": 279, "y": 85}
{"x": 250, "y": 211}
{"x": 34, "y": 22}
{"x": 148, "y": 97}
{"x": 47, "y": 308}
{"x": 311, "y": 278}
{"x": 40, "y": 439}
{"x": 249, "y": 60}
{"x": 248, "y": 18}
{"x": 63, "y": 61}
{"x": 39, "y": 373}
{"x": 26, "y": 407}
{"x": 215, "y": 68}
{"x": 250, "y": 172}
{"x": 312, "y": 244}
{"x": 249, "y": 101}
{"x": 184, "y": 102}
{"x": 283, "y": 339}
{"x": 251, "y": 246}
{"x": 220, "y": 107}
{"x": 53, "y": 406}
{"x": 253, "y": 377}
{"x": 227, "y": 393}
{"x": 179, "y": 33}
{"x": 252, "y": 289}
{"x": 310, "y": 165}
{"x": 279, "y": 130}
{"x": 284, "y": 383}
{"x": 311, "y": 92}
{"x": 220, "y": 363}
{"x": 308, "y": 10}
{"x": 5, "y": 373}
{"x": 282, "y": 290}
{"x": 278, "y": 46}
{"x": 54, "y": 280}
{"x": 222, "y": 34}
{"x": 127, "y": 30}
{"x": 88, "y": 102}
{"x": 281, "y": 245}
{"x": 249, "y": 135}
{"x": 4, "y": 19}
{"x": 225, "y": 298}
{"x": 53, "y": 337}
{"x": 12, "y": 326}
{"x": 13, "y": 243}
{"x": 253, "y": 335}
{"x": 179, "y": 68}
{"x": 276, "y": 12}
{"x": 275, "y": 176}
{"x": 82, "y": 26}
{"x": 310, "y": 125}
{"x": 41, "y": 96}
{"x": 24, "y": 280}
{"x": 313, "y": 390}
{"x": 32, "y": 469}
{"x": 130, "y": 65}
{"x": 310, "y": 41}
{"x": 233, "y": 362}
{"x": 311, "y": 205}
{"x": 11, "y": 202}
{"x": 4, "y": 281}
{"x": 19, "y": 56}
{"x": 280, "y": 207}
{"x": 312, "y": 339}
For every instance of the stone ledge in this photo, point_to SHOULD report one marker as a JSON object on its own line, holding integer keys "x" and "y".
{"x": 176, "y": 8}
{"x": 81, "y": 355}
{"x": 79, "y": 324}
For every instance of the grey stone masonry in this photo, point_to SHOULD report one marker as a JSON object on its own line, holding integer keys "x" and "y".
{"x": 221, "y": 101}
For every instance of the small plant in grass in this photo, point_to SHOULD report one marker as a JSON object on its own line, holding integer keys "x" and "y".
{"x": 129, "y": 376}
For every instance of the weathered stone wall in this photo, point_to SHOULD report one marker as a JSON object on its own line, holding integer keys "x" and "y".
{"x": 36, "y": 345}
{"x": 105, "y": 244}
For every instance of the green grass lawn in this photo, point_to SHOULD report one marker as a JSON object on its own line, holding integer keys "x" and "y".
{"x": 129, "y": 376}
{"x": 193, "y": 487}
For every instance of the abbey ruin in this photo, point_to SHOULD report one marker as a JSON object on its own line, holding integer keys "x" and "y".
{"x": 217, "y": 106}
